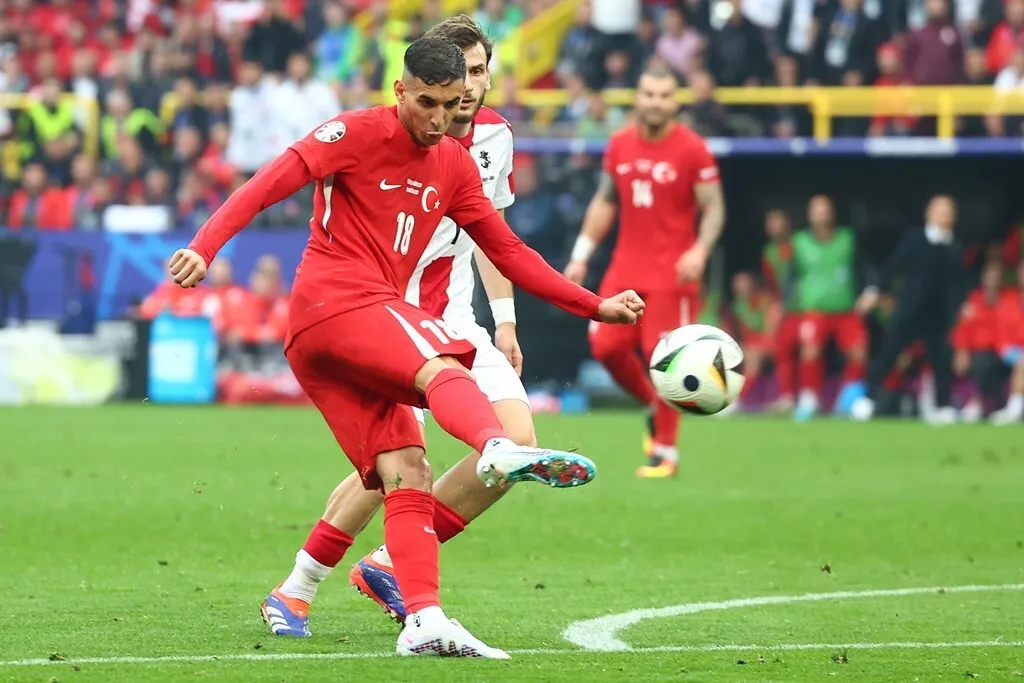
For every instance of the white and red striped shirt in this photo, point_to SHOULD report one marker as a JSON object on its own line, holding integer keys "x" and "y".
{"x": 443, "y": 281}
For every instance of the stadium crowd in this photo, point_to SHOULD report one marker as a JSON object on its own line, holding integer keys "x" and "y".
{"x": 193, "y": 96}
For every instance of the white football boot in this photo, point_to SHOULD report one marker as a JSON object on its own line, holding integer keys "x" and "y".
{"x": 431, "y": 633}
{"x": 504, "y": 462}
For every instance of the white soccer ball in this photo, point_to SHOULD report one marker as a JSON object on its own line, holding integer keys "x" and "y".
{"x": 697, "y": 369}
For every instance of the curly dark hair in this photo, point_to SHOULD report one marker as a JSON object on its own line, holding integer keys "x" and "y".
{"x": 435, "y": 61}
{"x": 464, "y": 32}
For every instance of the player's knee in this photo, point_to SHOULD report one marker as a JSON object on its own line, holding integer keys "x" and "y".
{"x": 522, "y": 433}
{"x": 810, "y": 351}
{"x": 857, "y": 354}
{"x": 435, "y": 366}
{"x": 406, "y": 468}
{"x": 602, "y": 348}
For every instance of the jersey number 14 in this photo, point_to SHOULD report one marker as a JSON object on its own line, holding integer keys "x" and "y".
{"x": 643, "y": 194}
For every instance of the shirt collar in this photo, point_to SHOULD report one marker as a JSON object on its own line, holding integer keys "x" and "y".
{"x": 936, "y": 235}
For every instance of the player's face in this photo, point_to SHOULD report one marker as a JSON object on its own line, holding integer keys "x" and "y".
{"x": 426, "y": 111}
{"x": 478, "y": 82}
{"x": 820, "y": 214}
{"x": 656, "y": 103}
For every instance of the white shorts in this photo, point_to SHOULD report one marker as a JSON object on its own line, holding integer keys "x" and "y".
{"x": 494, "y": 374}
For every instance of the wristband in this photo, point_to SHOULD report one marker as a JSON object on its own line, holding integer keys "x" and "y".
{"x": 582, "y": 250}
{"x": 503, "y": 311}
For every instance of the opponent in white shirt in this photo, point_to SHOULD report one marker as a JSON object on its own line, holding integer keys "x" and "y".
{"x": 443, "y": 285}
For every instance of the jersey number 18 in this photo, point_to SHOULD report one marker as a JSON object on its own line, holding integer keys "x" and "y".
{"x": 403, "y": 232}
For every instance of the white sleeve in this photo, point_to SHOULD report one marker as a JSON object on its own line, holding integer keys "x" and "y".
{"x": 504, "y": 190}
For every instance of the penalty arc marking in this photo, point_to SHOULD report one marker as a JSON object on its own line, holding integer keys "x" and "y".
{"x": 602, "y": 634}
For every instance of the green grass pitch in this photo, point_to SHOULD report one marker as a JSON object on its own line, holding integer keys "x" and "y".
{"x": 136, "y": 541}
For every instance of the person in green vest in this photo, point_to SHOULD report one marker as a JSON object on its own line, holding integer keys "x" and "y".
{"x": 755, "y": 316}
{"x": 48, "y": 119}
{"x": 825, "y": 270}
{"x": 121, "y": 118}
{"x": 776, "y": 268}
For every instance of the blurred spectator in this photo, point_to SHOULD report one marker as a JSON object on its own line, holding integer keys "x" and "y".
{"x": 600, "y": 120}
{"x": 1011, "y": 77}
{"x": 300, "y": 104}
{"x": 616, "y": 22}
{"x": 737, "y": 54}
{"x": 1006, "y": 38}
{"x": 708, "y": 116}
{"x": 186, "y": 110}
{"x": 975, "y": 341}
{"x": 576, "y": 56}
{"x": 498, "y": 19}
{"x": 788, "y": 121}
{"x": 35, "y": 204}
{"x": 339, "y": 47}
{"x": 533, "y": 214}
{"x": 890, "y": 76}
{"x": 123, "y": 120}
{"x": 679, "y": 44}
{"x": 273, "y": 39}
{"x": 755, "y": 319}
{"x": 934, "y": 53}
{"x": 127, "y": 170}
{"x": 250, "y": 143}
{"x": 81, "y": 198}
{"x": 50, "y": 118}
{"x": 846, "y": 45}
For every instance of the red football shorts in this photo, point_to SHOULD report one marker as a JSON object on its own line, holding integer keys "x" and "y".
{"x": 359, "y": 369}
{"x": 846, "y": 328}
{"x": 665, "y": 311}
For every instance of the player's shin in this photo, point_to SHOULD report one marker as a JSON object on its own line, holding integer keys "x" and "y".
{"x": 461, "y": 409}
{"x": 409, "y": 529}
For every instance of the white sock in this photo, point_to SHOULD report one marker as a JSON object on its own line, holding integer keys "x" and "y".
{"x": 431, "y": 617}
{"x": 382, "y": 556}
{"x": 667, "y": 453}
{"x": 305, "y": 577}
{"x": 500, "y": 444}
{"x": 808, "y": 398}
{"x": 1016, "y": 404}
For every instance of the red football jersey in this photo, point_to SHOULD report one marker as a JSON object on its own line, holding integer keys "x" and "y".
{"x": 379, "y": 198}
{"x": 657, "y": 205}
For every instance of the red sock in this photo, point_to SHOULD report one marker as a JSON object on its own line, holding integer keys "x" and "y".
{"x": 327, "y": 544}
{"x": 447, "y": 522}
{"x": 666, "y": 425}
{"x": 628, "y": 371}
{"x": 412, "y": 544}
{"x": 893, "y": 380}
{"x": 854, "y": 371}
{"x": 784, "y": 373}
{"x": 461, "y": 409}
{"x": 751, "y": 380}
{"x": 812, "y": 374}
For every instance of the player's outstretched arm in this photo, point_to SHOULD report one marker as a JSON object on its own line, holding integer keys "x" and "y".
{"x": 503, "y": 308}
{"x": 597, "y": 223}
{"x": 280, "y": 179}
{"x": 530, "y": 272}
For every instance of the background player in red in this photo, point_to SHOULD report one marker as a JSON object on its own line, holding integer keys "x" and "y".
{"x": 657, "y": 175}
{"x": 975, "y": 341}
{"x": 777, "y": 268}
{"x": 385, "y": 178}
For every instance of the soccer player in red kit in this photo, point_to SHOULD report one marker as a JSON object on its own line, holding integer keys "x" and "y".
{"x": 385, "y": 178}
{"x": 657, "y": 175}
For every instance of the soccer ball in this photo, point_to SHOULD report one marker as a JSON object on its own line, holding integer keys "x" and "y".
{"x": 696, "y": 369}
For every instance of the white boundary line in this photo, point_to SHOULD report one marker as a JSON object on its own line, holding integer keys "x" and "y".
{"x": 601, "y": 634}
{"x": 299, "y": 656}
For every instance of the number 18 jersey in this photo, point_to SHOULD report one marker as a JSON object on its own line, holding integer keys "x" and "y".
{"x": 379, "y": 199}
{"x": 443, "y": 282}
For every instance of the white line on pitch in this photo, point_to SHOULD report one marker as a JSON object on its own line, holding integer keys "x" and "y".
{"x": 298, "y": 656}
{"x": 601, "y": 634}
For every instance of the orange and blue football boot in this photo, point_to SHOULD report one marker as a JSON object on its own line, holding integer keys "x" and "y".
{"x": 658, "y": 467}
{"x": 374, "y": 577}
{"x": 647, "y": 441}
{"x": 286, "y": 616}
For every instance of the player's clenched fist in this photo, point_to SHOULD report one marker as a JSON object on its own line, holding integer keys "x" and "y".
{"x": 622, "y": 308}
{"x": 187, "y": 268}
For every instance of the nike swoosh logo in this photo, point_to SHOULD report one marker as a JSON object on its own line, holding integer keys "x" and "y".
{"x": 384, "y": 185}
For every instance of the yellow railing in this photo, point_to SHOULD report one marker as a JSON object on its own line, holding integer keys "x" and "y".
{"x": 828, "y": 103}
{"x": 403, "y": 9}
{"x": 539, "y": 40}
